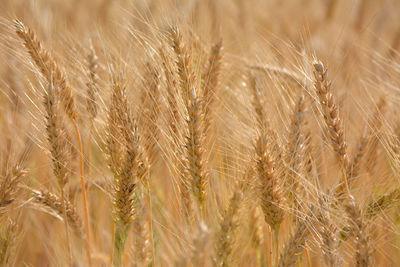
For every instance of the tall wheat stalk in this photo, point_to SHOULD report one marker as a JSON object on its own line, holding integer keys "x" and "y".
{"x": 52, "y": 73}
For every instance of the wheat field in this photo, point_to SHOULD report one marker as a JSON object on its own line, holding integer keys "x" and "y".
{"x": 200, "y": 133}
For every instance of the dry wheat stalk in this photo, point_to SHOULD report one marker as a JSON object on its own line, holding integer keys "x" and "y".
{"x": 59, "y": 150}
{"x": 50, "y": 70}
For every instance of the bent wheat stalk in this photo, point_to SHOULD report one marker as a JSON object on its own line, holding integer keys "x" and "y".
{"x": 52, "y": 73}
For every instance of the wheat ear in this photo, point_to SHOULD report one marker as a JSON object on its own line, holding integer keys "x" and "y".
{"x": 359, "y": 231}
{"x": 150, "y": 110}
{"x": 271, "y": 195}
{"x": 296, "y": 150}
{"x": 8, "y": 232}
{"x": 58, "y": 149}
{"x": 226, "y": 235}
{"x": 54, "y": 202}
{"x": 328, "y": 232}
{"x": 211, "y": 81}
{"x": 195, "y": 159}
{"x": 124, "y": 161}
{"x": 332, "y": 119}
{"x": 294, "y": 246}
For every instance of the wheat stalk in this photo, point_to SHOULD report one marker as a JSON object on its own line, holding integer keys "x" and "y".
{"x": 53, "y": 74}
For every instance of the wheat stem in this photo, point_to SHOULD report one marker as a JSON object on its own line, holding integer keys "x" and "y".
{"x": 150, "y": 223}
{"x": 84, "y": 194}
{"x": 66, "y": 228}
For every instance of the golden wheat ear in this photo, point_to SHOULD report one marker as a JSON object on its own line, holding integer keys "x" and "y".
{"x": 332, "y": 120}
{"x": 195, "y": 159}
{"x": 358, "y": 229}
{"x": 211, "y": 80}
{"x": 271, "y": 193}
{"x": 225, "y": 237}
{"x": 54, "y": 202}
{"x": 48, "y": 67}
{"x": 294, "y": 246}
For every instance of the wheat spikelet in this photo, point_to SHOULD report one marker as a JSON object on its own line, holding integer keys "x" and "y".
{"x": 8, "y": 232}
{"x": 359, "y": 231}
{"x": 328, "y": 232}
{"x": 54, "y": 202}
{"x": 256, "y": 227}
{"x": 9, "y": 186}
{"x": 355, "y": 164}
{"x": 210, "y": 83}
{"x": 183, "y": 63}
{"x": 375, "y": 125}
{"x": 91, "y": 99}
{"x": 150, "y": 110}
{"x": 10, "y": 192}
{"x": 141, "y": 234}
{"x": 296, "y": 151}
{"x": 383, "y": 202}
{"x": 294, "y": 245}
{"x": 227, "y": 233}
{"x": 171, "y": 88}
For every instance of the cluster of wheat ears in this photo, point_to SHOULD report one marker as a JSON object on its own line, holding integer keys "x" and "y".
{"x": 199, "y": 133}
